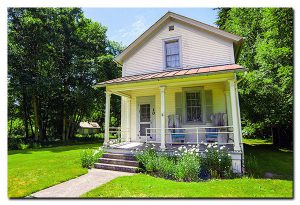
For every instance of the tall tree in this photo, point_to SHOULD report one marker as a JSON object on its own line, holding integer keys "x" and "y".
{"x": 266, "y": 91}
{"x": 56, "y": 56}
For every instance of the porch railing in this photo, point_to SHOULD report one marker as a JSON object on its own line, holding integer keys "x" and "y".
{"x": 117, "y": 131}
{"x": 193, "y": 132}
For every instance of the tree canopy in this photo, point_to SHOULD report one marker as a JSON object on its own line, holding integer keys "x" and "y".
{"x": 266, "y": 91}
{"x": 55, "y": 57}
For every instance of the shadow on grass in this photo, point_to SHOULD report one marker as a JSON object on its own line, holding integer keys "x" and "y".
{"x": 272, "y": 162}
{"x": 56, "y": 149}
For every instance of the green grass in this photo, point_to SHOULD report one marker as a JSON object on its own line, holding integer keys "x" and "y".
{"x": 35, "y": 169}
{"x": 144, "y": 186}
{"x": 256, "y": 141}
{"x": 270, "y": 159}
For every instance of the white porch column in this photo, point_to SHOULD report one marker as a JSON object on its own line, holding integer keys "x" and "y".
{"x": 107, "y": 117}
{"x": 235, "y": 116}
{"x": 163, "y": 118}
{"x": 128, "y": 105}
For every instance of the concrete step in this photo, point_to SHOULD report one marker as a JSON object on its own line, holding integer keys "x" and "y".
{"x": 119, "y": 156}
{"x": 121, "y": 168}
{"x": 118, "y": 162}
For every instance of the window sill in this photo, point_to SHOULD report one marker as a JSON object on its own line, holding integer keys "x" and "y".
{"x": 173, "y": 69}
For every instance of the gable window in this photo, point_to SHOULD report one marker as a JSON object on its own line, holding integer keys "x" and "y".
{"x": 172, "y": 54}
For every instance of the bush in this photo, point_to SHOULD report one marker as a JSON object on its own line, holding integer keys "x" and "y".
{"x": 89, "y": 156}
{"x": 147, "y": 158}
{"x": 251, "y": 165}
{"x": 165, "y": 167}
{"x": 188, "y": 164}
{"x": 14, "y": 143}
{"x": 217, "y": 162}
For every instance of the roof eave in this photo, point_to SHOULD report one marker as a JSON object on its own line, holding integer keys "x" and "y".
{"x": 173, "y": 77}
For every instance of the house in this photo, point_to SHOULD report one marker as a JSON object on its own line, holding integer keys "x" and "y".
{"x": 179, "y": 86}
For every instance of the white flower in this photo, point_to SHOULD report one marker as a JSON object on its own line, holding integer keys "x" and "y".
{"x": 206, "y": 150}
{"x": 217, "y": 150}
{"x": 179, "y": 148}
{"x": 229, "y": 155}
{"x": 209, "y": 146}
{"x": 219, "y": 160}
{"x": 221, "y": 147}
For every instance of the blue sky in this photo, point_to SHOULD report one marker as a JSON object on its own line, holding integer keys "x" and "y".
{"x": 126, "y": 24}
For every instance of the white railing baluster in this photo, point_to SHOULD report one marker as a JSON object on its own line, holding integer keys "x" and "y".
{"x": 197, "y": 136}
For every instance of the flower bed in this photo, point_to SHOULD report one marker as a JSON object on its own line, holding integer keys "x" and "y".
{"x": 186, "y": 163}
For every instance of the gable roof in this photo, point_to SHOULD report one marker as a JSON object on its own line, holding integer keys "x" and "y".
{"x": 210, "y": 70}
{"x": 173, "y": 16}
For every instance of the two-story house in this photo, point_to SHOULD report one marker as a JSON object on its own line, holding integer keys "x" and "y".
{"x": 179, "y": 86}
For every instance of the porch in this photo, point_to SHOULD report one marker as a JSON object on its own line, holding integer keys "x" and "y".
{"x": 200, "y": 110}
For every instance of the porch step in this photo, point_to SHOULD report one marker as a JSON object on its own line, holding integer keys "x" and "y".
{"x": 118, "y": 162}
{"x": 119, "y": 156}
{"x": 115, "y": 167}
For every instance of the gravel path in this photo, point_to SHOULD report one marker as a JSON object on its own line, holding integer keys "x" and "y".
{"x": 80, "y": 185}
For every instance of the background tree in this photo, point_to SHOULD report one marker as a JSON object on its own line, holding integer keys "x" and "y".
{"x": 55, "y": 57}
{"x": 266, "y": 92}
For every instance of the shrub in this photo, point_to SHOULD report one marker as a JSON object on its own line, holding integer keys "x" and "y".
{"x": 216, "y": 161}
{"x": 23, "y": 146}
{"x": 165, "y": 167}
{"x": 188, "y": 164}
{"x": 251, "y": 165}
{"x": 89, "y": 156}
{"x": 147, "y": 158}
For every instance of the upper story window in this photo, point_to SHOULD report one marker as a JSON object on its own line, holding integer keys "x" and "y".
{"x": 172, "y": 54}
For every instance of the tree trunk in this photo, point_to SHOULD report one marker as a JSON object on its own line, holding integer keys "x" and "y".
{"x": 36, "y": 119}
{"x": 25, "y": 115}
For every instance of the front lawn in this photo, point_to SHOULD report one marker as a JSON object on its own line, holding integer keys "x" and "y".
{"x": 35, "y": 169}
{"x": 144, "y": 186}
{"x": 270, "y": 159}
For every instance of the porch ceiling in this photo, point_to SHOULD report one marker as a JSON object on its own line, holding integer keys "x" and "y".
{"x": 174, "y": 74}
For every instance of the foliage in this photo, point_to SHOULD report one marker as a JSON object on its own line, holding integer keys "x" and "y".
{"x": 89, "y": 156}
{"x": 188, "y": 164}
{"x": 185, "y": 164}
{"x": 251, "y": 165}
{"x": 270, "y": 159}
{"x": 147, "y": 158}
{"x": 144, "y": 186}
{"x": 166, "y": 167}
{"x": 217, "y": 161}
{"x": 55, "y": 57}
{"x": 32, "y": 170}
{"x": 266, "y": 91}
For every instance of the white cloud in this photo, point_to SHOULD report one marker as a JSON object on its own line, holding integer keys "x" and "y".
{"x": 135, "y": 29}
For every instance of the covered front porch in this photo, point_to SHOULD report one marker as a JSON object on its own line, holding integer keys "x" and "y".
{"x": 168, "y": 113}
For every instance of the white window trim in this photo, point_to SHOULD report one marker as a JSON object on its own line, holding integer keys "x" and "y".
{"x": 203, "y": 111}
{"x": 164, "y": 41}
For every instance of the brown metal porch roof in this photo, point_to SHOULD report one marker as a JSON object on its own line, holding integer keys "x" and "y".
{"x": 173, "y": 74}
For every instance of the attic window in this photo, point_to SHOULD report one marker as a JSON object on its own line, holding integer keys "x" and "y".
{"x": 171, "y": 28}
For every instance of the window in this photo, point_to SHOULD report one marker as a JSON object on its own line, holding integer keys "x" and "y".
{"x": 193, "y": 106}
{"x": 172, "y": 54}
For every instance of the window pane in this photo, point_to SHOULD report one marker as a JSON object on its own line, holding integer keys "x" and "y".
{"x": 145, "y": 113}
{"x": 143, "y": 129}
{"x": 193, "y": 107}
{"x": 172, "y": 54}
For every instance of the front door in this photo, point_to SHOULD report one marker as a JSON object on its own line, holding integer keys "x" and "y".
{"x": 146, "y": 117}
